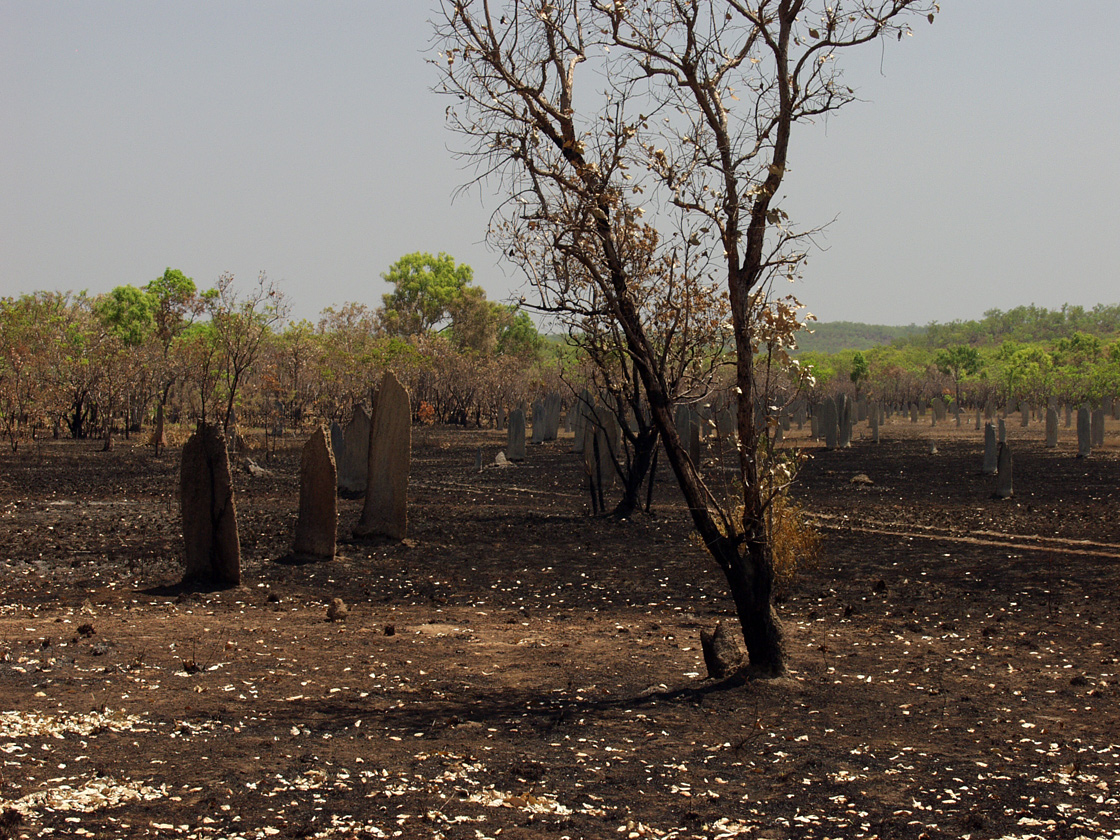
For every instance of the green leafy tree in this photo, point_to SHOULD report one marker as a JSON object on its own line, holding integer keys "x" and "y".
{"x": 821, "y": 366}
{"x": 424, "y": 290}
{"x": 486, "y": 328}
{"x": 518, "y": 335}
{"x": 435, "y": 294}
{"x": 1079, "y": 363}
{"x": 125, "y": 357}
{"x": 175, "y": 304}
{"x": 1106, "y": 374}
{"x": 859, "y": 372}
{"x": 127, "y": 312}
{"x": 959, "y": 362}
{"x": 475, "y": 321}
{"x": 1025, "y": 371}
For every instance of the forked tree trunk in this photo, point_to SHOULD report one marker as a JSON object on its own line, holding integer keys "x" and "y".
{"x": 746, "y": 561}
{"x": 75, "y": 420}
{"x": 744, "y": 558}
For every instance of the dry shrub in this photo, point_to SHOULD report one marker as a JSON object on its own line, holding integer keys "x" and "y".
{"x": 176, "y": 435}
{"x": 426, "y": 414}
{"x": 794, "y": 543}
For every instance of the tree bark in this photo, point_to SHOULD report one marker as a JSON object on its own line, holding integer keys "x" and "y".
{"x": 645, "y": 445}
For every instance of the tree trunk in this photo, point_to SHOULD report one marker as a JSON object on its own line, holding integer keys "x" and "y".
{"x": 742, "y": 551}
{"x": 745, "y": 562}
{"x": 749, "y": 572}
{"x": 228, "y": 419}
{"x": 645, "y": 445}
{"x": 157, "y": 434}
{"x": 76, "y": 420}
{"x": 108, "y": 442}
{"x": 652, "y": 478}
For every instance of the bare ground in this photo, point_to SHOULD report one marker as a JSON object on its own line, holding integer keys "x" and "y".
{"x": 518, "y": 669}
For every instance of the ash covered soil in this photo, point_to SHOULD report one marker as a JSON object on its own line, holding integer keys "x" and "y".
{"x": 518, "y": 669}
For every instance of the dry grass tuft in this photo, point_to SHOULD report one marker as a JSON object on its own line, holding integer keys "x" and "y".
{"x": 794, "y": 543}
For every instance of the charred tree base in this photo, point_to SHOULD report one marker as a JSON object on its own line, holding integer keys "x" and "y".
{"x": 750, "y": 579}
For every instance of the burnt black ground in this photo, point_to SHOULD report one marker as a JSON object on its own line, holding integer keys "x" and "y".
{"x": 517, "y": 669}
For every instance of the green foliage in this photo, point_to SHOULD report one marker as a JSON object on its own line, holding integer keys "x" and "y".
{"x": 172, "y": 290}
{"x": 909, "y": 358}
{"x": 1025, "y": 353}
{"x": 1026, "y": 371}
{"x": 846, "y": 365}
{"x": 821, "y": 365}
{"x": 474, "y": 320}
{"x": 165, "y": 348}
{"x": 71, "y": 358}
{"x": 425, "y": 289}
{"x": 128, "y": 313}
{"x": 959, "y": 361}
{"x": 1026, "y": 324}
{"x": 433, "y": 291}
{"x": 1080, "y": 347}
{"x": 175, "y": 301}
{"x": 860, "y": 370}
{"x": 202, "y": 332}
{"x": 832, "y": 336}
{"x": 519, "y": 336}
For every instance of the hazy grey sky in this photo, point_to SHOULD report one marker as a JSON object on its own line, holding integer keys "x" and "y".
{"x": 980, "y": 170}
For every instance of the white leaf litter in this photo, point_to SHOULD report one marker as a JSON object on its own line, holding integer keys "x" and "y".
{"x": 541, "y": 803}
{"x": 722, "y": 829}
{"x": 33, "y": 724}
{"x": 77, "y": 795}
{"x": 87, "y": 796}
{"x": 80, "y": 795}
{"x": 460, "y": 779}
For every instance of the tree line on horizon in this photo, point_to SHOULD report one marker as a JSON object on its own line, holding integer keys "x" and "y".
{"x": 1021, "y": 323}
{"x": 85, "y": 365}
{"x": 1031, "y": 353}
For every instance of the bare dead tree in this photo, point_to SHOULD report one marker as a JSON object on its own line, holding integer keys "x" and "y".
{"x": 591, "y": 112}
{"x": 240, "y": 327}
{"x": 682, "y": 312}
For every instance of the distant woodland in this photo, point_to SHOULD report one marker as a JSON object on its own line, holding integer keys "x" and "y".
{"x": 1027, "y": 353}
{"x": 834, "y": 336}
{"x": 86, "y": 366}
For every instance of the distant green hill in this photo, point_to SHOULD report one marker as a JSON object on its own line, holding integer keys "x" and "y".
{"x": 827, "y": 337}
{"x": 833, "y": 336}
{"x": 1024, "y": 324}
